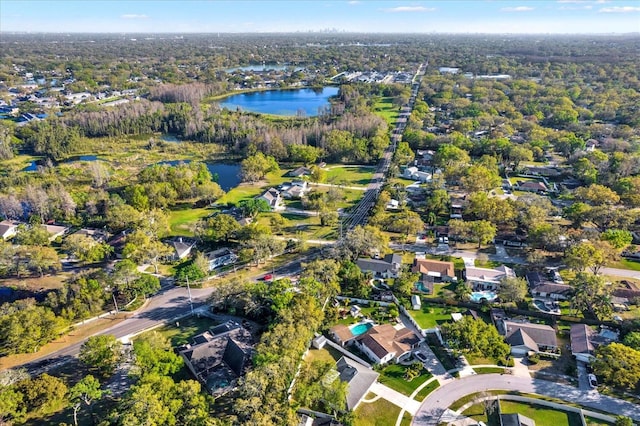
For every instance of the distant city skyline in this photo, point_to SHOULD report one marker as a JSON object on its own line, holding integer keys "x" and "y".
{"x": 450, "y": 16}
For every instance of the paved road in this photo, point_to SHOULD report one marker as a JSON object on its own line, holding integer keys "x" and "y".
{"x": 442, "y": 398}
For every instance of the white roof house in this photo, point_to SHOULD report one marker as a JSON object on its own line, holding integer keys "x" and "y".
{"x": 488, "y": 279}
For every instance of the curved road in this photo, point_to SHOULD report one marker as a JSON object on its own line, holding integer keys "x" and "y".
{"x": 435, "y": 404}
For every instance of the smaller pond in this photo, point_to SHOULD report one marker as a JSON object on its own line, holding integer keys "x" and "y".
{"x": 227, "y": 175}
{"x": 32, "y": 167}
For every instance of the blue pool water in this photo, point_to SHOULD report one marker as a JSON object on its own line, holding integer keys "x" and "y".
{"x": 420, "y": 287}
{"x": 477, "y": 296}
{"x": 282, "y": 102}
{"x": 360, "y": 328}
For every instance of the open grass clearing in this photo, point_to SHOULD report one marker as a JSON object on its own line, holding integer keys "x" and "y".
{"x": 181, "y": 331}
{"x": 387, "y": 110}
{"x": 349, "y": 175}
{"x": 427, "y": 390}
{"x": 489, "y": 370}
{"x": 393, "y": 376}
{"x": 378, "y": 413}
{"x": 47, "y": 282}
{"x": 632, "y": 265}
{"x": 182, "y": 221}
{"x": 541, "y": 415}
{"x": 431, "y": 315}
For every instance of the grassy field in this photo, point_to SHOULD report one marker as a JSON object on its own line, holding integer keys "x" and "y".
{"x": 379, "y": 413}
{"x": 427, "y": 390}
{"x": 349, "y": 175}
{"x": 182, "y": 331}
{"x": 182, "y": 221}
{"x": 393, "y": 376}
{"x": 431, "y": 315}
{"x": 385, "y": 109}
{"x": 489, "y": 370}
{"x": 541, "y": 415}
{"x": 632, "y": 265}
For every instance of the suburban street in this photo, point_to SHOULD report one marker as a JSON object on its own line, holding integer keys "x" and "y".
{"x": 439, "y": 400}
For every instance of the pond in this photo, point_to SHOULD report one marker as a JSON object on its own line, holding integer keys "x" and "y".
{"x": 228, "y": 175}
{"x": 82, "y": 158}
{"x": 293, "y": 102}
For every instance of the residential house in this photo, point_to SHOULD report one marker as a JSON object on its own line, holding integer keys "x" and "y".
{"x": 219, "y": 356}
{"x": 434, "y": 270}
{"x": 541, "y": 286}
{"x": 8, "y": 229}
{"x": 98, "y": 235}
{"x": 182, "y": 247}
{"x": 300, "y": 171}
{"x": 273, "y": 198}
{"x": 220, "y": 257}
{"x": 383, "y": 343}
{"x": 55, "y": 231}
{"x": 532, "y": 186}
{"x": 525, "y": 337}
{"x": 414, "y": 173}
{"x": 294, "y": 190}
{"x": 585, "y": 340}
{"x": 388, "y": 267}
{"x": 359, "y": 379}
{"x": 487, "y": 279}
{"x": 341, "y": 334}
{"x": 392, "y": 205}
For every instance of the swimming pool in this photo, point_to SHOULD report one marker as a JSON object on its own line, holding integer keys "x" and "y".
{"x": 360, "y": 328}
{"x": 421, "y": 287}
{"x": 477, "y": 296}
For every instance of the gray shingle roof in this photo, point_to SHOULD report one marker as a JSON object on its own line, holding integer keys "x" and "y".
{"x": 359, "y": 378}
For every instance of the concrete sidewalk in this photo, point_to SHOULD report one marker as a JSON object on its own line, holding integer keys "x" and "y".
{"x": 396, "y": 398}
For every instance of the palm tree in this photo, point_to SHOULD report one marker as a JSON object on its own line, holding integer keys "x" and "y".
{"x": 462, "y": 291}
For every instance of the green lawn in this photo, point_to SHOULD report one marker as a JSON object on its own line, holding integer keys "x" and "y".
{"x": 489, "y": 370}
{"x": 427, "y": 390}
{"x": 379, "y": 413}
{"x": 385, "y": 109}
{"x": 591, "y": 421}
{"x": 349, "y": 175}
{"x": 431, "y": 315}
{"x": 541, "y": 415}
{"x": 393, "y": 376}
{"x": 182, "y": 221}
{"x": 632, "y": 265}
{"x": 182, "y": 331}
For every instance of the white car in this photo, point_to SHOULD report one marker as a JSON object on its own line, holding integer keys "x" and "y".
{"x": 593, "y": 381}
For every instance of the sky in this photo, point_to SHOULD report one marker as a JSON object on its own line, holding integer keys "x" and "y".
{"x": 398, "y": 16}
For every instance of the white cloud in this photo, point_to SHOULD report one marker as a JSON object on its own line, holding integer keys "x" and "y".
{"x": 134, "y": 16}
{"x": 517, "y": 9}
{"x": 354, "y": 2}
{"x": 409, "y": 9}
{"x": 585, "y": 7}
{"x": 619, "y": 9}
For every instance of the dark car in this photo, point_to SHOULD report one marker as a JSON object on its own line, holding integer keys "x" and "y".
{"x": 420, "y": 356}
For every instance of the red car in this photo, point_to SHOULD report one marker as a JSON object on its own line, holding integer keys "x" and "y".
{"x": 268, "y": 277}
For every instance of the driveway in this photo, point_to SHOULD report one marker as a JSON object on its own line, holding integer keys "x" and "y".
{"x": 442, "y": 398}
{"x": 395, "y": 397}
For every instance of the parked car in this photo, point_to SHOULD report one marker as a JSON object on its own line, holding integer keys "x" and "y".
{"x": 593, "y": 381}
{"x": 420, "y": 356}
{"x": 268, "y": 277}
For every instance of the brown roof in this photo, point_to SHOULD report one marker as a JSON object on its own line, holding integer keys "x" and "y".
{"x": 384, "y": 339}
{"x": 424, "y": 266}
{"x": 342, "y": 332}
{"x": 581, "y": 339}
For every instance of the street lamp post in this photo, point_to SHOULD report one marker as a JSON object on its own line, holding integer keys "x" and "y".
{"x": 190, "y": 300}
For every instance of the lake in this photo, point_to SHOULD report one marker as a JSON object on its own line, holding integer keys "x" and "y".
{"x": 228, "y": 174}
{"x": 282, "y": 102}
